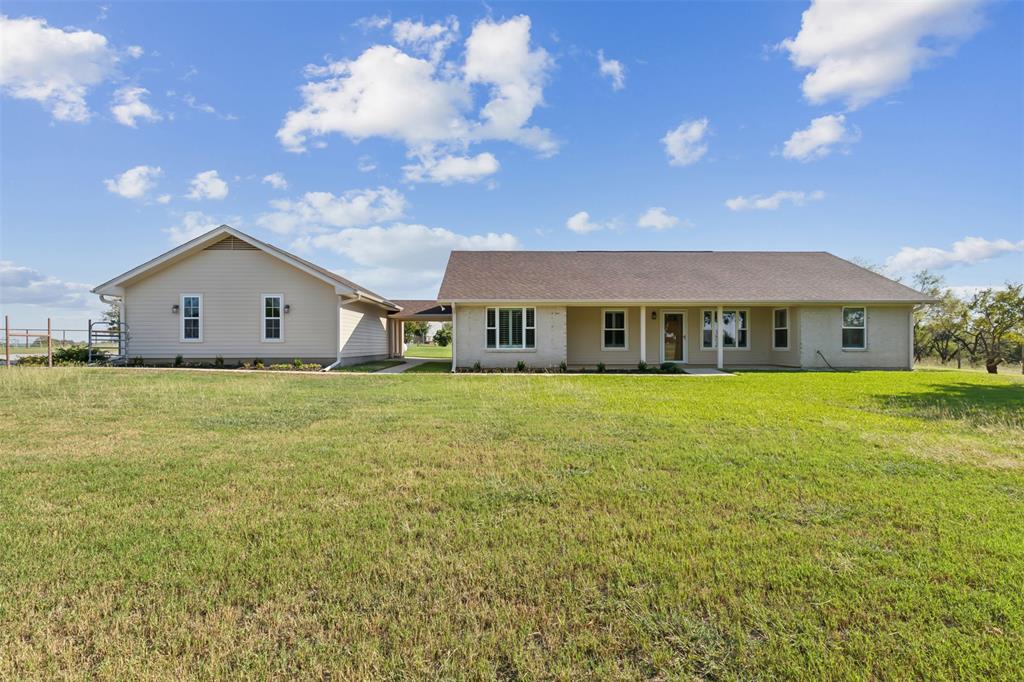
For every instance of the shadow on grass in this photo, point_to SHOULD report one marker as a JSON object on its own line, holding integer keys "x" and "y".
{"x": 979, "y": 404}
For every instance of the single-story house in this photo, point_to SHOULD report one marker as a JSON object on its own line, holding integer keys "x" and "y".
{"x": 230, "y": 295}
{"x": 712, "y": 308}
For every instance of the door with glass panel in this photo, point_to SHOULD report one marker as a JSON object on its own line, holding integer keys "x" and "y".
{"x": 673, "y": 336}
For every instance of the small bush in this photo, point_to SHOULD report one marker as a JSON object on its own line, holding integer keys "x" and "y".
{"x": 600, "y": 367}
{"x": 642, "y": 366}
{"x": 258, "y": 363}
{"x": 669, "y": 367}
{"x": 33, "y": 360}
{"x": 521, "y": 366}
{"x": 301, "y": 367}
{"x": 562, "y": 367}
{"x": 476, "y": 366}
{"x": 137, "y": 361}
{"x": 179, "y": 360}
{"x": 218, "y": 362}
{"x": 77, "y": 353}
{"x": 297, "y": 363}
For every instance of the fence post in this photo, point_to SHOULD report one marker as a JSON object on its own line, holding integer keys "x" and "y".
{"x": 49, "y": 342}
{"x": 7, "y": 341}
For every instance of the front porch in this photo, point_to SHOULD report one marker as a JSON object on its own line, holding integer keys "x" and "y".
{"x": 413, "y": 311}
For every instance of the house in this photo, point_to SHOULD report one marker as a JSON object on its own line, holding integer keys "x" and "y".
{"x": 710, "y": 308}
{"x": 228, "y": 294}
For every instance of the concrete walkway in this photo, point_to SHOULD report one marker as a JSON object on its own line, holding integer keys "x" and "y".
{"x": 706, "y": 372}
{"x": 408, "y": 364}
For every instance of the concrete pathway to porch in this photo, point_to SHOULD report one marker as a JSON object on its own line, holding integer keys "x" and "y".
{"x": 706, "y": 372}
{"x": 408, "y": 364}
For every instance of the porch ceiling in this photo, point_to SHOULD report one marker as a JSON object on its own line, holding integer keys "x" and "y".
{"x": 422, "y": 310}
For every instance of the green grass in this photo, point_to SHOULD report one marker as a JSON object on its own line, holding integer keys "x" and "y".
{"x": 765, "y": 526}
{"x": 417, "y": 351}
{"x": 431, "y": 368}
{"x": 374, "y": 366}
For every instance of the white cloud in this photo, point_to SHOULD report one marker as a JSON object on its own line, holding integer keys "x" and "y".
{"x": 612, "y": 68}
{"x": 366, "y": 164}
{"x": 163, "y": 199}
{"x": 135, "y": 182}
{"x": 320, "y": 211}
{"x": 657, "y": 218}
{"x": 429, "y": 107}
{"x": 134, "y": 51}
{"x": 276, "y": 180}
{"x": 22, "y": 285}
{"x": 966, "y": 251}
{"x": 193, "y": 103}
{"x": 414, "y": 256}
{"x": 773, "y": 201}
{"x": 817, "y": 140}
{"x": 372, "y": 22}
{"x": 195, "y": 223}
{"x": 207, "y": 185}
{"x": 451, "y": 169}
{"x": 685, "y": 144}
{"x": 432, "y": 40}
{"x": 52, "y": 66}
{"x": 860, "y": 50}
{"x": 127, "y": 107}
{"x": 580, "y": 223}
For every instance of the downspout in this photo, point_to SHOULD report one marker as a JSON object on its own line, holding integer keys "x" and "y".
{"x": 455, "y": 339}
{"x": 337, "y": 334}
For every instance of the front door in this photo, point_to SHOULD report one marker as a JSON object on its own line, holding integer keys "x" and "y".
{"x": 673, "y": 337}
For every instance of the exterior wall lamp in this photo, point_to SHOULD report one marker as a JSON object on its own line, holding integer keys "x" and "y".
{"x": 174, "y": 309}
{"x": 287, "y": 308}
{"x": 654, "y": 314}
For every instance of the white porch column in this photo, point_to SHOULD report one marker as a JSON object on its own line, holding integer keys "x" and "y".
{"x": 720, "y": 334}
{"x": 455, "y": 338}
{"x": 643, "y": 333}
{"x": 401, "y": 339}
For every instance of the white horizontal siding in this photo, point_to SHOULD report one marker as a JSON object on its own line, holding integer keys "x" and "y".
{"x": 364, "y": 330}
{"x": 231, "y": 283}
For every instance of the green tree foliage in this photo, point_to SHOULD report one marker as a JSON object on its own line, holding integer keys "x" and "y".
{"x": 416, "y": 330}
{"x": 443, "y": 336}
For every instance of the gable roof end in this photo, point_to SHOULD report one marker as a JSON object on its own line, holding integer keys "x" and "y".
{"x": 342, "y": 286}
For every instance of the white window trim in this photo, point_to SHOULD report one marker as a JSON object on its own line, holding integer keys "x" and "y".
{"x": 498, "y": 348}
{"x": 842, "y": 325}
{"x": 625, "y": 328}
{"x": 714, "y": 329}
{"x": 263, "y": 318}
{"x": 775, "y": 329}
{"x": 181, "y": 322}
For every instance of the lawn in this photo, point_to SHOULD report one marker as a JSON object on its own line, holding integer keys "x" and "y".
{"x": 762, "y": 526}
{"x": 431, "y": 368}
{"x": 374, "y": 366}
{"x": 417, "y": 351}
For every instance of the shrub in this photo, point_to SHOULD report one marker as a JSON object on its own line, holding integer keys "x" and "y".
{"x": 443, "y": 336}
{"x": 302, "y": 367}
{"x": 476, "y": 366}
{"x": 669, "y": 367}
{"x": 37, "y": 360}
{"x": 258, "y": 363}
{"x": 137, "y": 361}
{"x": 179, "y": 360}
{"x": 297, "y": 363}
{"x": 562, "y": 367}
{"x": 218, "y": 362}
{"x": 642, "y": 366}
{"x": 77, "y": 353}
{"x": 521, "y": 366}
{"x": 600, "y": 367}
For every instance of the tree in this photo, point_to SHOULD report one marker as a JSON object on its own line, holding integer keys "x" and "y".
{"x": 443, "y": 336}
{"x": 112, "y": 316}
{"x": 416, "y": 330}
{"x": 933, "y": 286}
{"x": 991, "y": 322}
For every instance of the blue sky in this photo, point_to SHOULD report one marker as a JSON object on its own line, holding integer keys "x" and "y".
{"x": 395, "y": 132}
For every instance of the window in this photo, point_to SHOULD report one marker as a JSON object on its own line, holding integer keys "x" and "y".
{"x": 855, "y": 328}
{"x": 509, "y": 328}
{"x": 780, "y": 329}
{"x": 613, "y": 330}
{"x": 191, "y": 320}
{"x": 273, "y": 322}
{"x": 735, "y": 332}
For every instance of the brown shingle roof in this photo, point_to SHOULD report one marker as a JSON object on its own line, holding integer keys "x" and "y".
{"x": 426, "y": 308}
{"x": 670, "y": 276}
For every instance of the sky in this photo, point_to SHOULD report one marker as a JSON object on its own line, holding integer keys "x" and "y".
{"x": 374, "y": 138}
